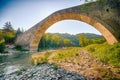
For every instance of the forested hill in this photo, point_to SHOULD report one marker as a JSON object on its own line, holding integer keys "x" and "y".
{"x": 70, "y": 36}
{"x": 91, "y": 35}
{"x": 74, "y": 38}
{"x": 54, "y": 40}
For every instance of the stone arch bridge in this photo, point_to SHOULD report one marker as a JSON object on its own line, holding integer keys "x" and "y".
{"x": 105, "y": 18}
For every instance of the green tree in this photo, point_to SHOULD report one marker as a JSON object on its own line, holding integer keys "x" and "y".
{"x": 55, "y": 40}
{"x": 8, "y": 33}
{"x": 42, "y": 43}
{"x": 8, "y": 27}
{"x": 83, "y": 41}
{"x": 18, "y": 32}
{"x": 67, "y": 42}
{"x": 2, "y": 45}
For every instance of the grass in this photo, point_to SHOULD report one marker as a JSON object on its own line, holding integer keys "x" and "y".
{"x": 61, "y": 54}
{"x": 103, "y": 52}
{"x": 66, "y": 54}
{"x": 20, "y": 71}
{"x": 109, "y": 54}
{"x": 106, "y": 53}
{"x": 41, "y": 59}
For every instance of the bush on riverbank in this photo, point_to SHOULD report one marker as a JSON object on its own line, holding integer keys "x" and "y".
{"x": 19, "y": 48}
{"x": 106, "y": 53}
{"x": 2, "y": 47}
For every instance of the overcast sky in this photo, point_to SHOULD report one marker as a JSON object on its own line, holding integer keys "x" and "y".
{"x": 26, "y": 13}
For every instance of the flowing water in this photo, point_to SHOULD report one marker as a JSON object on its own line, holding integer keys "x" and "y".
{"x": 13, "y": 62}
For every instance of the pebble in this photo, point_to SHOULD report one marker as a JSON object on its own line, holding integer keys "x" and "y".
{"x": 44, "y": 72}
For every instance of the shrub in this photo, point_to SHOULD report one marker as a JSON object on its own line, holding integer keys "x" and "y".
{"x": 106, "y": 53}
{"x": 18, "y": 47}
{"x": 2, "y": 47}
{"x": 67, "y": 53}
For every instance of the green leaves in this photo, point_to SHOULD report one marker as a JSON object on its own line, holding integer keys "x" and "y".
{"x": 106, "y": 53}
{"x": 8, "y": 26}
{"x": 2, "y": 47}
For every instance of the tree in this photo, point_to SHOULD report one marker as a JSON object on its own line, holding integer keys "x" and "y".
{"x": 18, "y": 32}
{"x": 83, "y": 41}
{"x": 8, "y": 27}
{"x": 2, "y": 45}
{"x": 9, "y": 34}
{"x": 67, "y": 42}
{"x": 55, "y": 40}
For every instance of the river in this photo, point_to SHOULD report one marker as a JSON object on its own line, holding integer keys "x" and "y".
{"x": 13, "y": 62}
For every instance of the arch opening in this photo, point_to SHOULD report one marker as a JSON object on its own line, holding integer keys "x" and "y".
{"x": 98, "y": 25}
{"x": 71, "y": 27}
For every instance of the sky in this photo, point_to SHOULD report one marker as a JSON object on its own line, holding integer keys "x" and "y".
{"x": 26, "y": 13}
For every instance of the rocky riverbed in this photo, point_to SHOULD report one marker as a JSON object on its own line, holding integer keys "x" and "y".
{"x": 43, "y": 72}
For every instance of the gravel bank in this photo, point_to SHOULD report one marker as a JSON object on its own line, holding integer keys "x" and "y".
{"x": 43, "y": 72}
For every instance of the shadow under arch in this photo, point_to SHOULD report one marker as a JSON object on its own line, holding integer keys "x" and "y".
{"x": 47, "y": 22}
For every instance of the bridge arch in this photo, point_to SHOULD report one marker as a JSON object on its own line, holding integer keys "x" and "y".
{"x": 57, "y": 16}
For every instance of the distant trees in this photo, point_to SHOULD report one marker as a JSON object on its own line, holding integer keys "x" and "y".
{"x": 8, "y": 27}
{"x": 18, "y": 32}
{"x": 84, "y": 41}
{"x": 54, "y": 41}
{"x": 9, "y": 34}
{"x": 66, "y": 40}
{"x": 2, "y": 43}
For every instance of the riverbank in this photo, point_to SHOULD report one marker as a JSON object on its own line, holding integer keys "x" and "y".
{"x": 44, "y": 72}
{"x": 80, "y": 61}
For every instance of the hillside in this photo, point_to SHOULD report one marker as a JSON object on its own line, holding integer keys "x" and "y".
{"x": 65, "y": 39}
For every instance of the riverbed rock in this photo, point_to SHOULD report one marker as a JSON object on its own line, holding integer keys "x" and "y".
{"x": 44, "y": 72}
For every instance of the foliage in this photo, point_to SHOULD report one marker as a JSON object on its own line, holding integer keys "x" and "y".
{"x": 84, "y": 41}
{"x": 43, "y": 59}
{"x": 2, "y": 44}
{"x": 91, "y": 4}
{"x": 54, "y": 41}
{"x": 18, "y": 32}
{"x": 2, "y": 47}
{"x": 8, "y": 33}
{"x": 19, "y": 72}
{"x": 58, "y": 40}
{"x": 2, "y": 40}
{"x": 66, "y": 54}
{"x": 8, "y": 26}
{"x": 106, "y": 53}
{"x": 18, "y": 47}
{"x": 61, "y": 54}
{"x": 55, "y": 66}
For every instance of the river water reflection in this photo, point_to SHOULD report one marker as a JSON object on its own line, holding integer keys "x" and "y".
{"x": 13, "y": 62}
